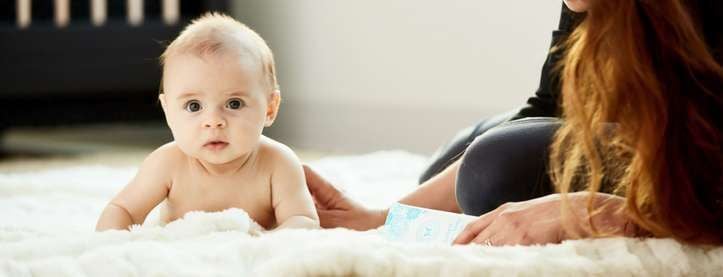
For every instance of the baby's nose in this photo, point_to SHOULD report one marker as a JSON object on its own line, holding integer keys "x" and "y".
{"x": 217, "y": 125}
{"x": 215, "y": 122}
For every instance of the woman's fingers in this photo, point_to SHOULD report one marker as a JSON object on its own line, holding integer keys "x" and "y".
{"x": 323, "y": 192}
{"x": 356, "y": 219}
{"x": 485, "y": 240}
{"x": 334, "y": 208}
{"x": 485, "y": 236}
{"x": 464, "y": 237}
{"x": 328, "y": 219}
{"x": 501, "y": 233}
{"x": 475, "y": 227}
{"x": 317, "y": 205}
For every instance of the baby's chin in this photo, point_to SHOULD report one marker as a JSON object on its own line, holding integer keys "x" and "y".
{"x": 216, "y": 156}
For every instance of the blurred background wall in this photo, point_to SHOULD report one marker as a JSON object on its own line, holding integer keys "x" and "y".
{"x": 356, "y": 76}
{"x": 406, "y": 74}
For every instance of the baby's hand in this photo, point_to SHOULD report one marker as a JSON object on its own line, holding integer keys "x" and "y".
{"x": 299, "y": 222}
{"x": 291, "y": 199}
{"x": 114, "y": 217}
{"x": 147, "y": 189}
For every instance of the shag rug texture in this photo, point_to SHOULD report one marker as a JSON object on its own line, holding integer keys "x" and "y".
{"x": 47, "y": 219}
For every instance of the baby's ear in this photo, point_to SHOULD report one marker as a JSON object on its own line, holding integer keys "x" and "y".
{"x": 272, "y": 108}
{"x": 162, "y": 99}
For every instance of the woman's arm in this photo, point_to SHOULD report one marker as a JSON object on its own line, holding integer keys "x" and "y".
{"x": 436, "y": 193}
{"x": 337, "y": 210}
{"x": 541, "y": 220}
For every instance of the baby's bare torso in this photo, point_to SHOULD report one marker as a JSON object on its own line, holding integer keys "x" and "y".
{"x": 193, "y": 189}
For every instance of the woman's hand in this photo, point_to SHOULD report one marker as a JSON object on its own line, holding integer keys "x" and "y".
{"x": 539, "y": 221}
{"x": 337, "y": 210}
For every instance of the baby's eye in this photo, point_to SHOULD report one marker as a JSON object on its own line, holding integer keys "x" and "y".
{"x": 192, "y": 106}
{"x": 235, "y": 104}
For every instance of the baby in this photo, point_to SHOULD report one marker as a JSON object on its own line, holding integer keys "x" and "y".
{"x": 218, "y": 92}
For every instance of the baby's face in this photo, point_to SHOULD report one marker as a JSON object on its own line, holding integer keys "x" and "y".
{"x": 215, "y": 106}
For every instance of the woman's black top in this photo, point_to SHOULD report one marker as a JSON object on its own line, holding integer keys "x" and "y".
{"x": 545, "y": 102}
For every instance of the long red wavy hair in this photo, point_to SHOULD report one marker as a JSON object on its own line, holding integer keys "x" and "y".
{"x": 645, "y": 67}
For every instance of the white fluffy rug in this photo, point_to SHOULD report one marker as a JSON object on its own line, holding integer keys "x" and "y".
{"x": 47, "y": 219}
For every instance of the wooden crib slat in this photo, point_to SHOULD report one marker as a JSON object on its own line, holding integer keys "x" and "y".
{"x": 23, "y": 13}
{"x": 135, "y": 12}
{"x": 62, "y": 13}
{"x": 98, "y": 12}
{"x": 171, "y": 11}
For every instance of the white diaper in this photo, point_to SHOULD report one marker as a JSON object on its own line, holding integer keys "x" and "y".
{"x": 415, "y": 224}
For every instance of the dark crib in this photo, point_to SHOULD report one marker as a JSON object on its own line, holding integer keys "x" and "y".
{"x": 86, "y": 61}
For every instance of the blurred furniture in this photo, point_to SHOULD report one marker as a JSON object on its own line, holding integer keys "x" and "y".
{"x": 86, "y": 61}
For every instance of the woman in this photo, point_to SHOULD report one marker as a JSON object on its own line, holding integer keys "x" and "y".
{"x": 640, "y": 131}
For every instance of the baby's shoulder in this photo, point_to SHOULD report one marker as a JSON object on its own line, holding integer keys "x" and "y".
{"x": 277, "y": 154}
{"x": 168, "y": 156}
{"x": 161, "y": 165}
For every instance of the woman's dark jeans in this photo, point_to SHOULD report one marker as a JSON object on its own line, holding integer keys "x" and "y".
{"x": 501, "y": 161}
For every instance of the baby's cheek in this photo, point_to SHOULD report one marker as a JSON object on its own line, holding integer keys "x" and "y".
{"x": 249, "y": 137}
{"x": 184, "y": 135}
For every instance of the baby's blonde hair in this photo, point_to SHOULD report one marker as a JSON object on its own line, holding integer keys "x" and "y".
{"x": 214, "y": 33}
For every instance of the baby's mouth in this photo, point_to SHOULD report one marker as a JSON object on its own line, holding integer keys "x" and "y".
{"x": 216, "y": 144}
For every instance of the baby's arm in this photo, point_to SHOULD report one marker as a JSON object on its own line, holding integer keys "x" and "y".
{"x": 292, "y": 202}
{"x": 148, "y": 188}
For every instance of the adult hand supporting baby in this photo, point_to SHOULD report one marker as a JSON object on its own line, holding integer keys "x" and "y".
{"x": 336, "y": 209}
{"x": 540, "y": 221}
